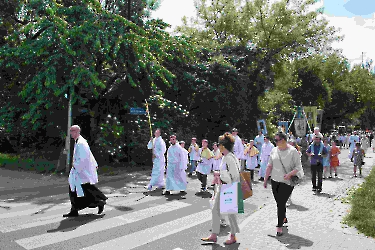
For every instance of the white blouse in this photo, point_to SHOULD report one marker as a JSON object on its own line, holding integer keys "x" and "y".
{"x": 291, "y": 160}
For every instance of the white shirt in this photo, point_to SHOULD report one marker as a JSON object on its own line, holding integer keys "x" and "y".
{"x": 291, "y": 160}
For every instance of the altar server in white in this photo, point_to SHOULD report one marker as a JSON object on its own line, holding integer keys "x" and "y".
{"x": 265, "y": 155}
{"x": 83, "y": 175}
{"x": 158, "y": 147}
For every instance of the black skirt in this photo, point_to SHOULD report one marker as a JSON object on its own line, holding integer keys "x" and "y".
{"x": 93, "y": 197}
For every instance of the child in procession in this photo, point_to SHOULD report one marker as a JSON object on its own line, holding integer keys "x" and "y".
{"x": 359, "y": 155}
{"x": 334, "y": 155}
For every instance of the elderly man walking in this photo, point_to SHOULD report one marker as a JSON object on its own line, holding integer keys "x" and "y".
{"x": 158, "y": 147}
{"x": 82, "y": 177}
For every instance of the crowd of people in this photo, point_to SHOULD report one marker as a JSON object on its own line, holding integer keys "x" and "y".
{"x": 278, "y": 160}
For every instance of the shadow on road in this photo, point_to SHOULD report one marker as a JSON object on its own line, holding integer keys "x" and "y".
{"x": 297, "y": 207}
{"x": 292, "y": 241}
{"x": 72, "y": 223}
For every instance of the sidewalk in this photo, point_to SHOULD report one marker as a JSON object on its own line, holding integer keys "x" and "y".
{"x": 314, "y": 219}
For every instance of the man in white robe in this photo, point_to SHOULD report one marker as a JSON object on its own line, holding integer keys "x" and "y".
{"x": 258, "y": 142}
{"x": 265, "y": 155}
{"x": 238, "y": 147}
{"x": 158, "y": 147}
{"x": 176, "y": 158}
{"x": 82, "y": 177}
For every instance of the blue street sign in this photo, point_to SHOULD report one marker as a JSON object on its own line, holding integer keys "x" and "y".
{"x": 137, "y": 111}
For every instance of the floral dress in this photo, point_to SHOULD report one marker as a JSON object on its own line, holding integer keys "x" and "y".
{"x": 358, "y": 155}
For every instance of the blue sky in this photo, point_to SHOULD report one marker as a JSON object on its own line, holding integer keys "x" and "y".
{"x": 349, "y": 8}
{"x": 355, "y": 19}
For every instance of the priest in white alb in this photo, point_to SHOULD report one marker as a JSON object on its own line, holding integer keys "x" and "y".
{"x": 158, "y": 147}
{"x": 176, "y": 164}
{"x": 82, "y": 177}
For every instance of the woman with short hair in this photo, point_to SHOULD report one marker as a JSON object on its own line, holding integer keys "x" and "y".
{"x": 284, "y": 162}
{"x": 228, "y": 175}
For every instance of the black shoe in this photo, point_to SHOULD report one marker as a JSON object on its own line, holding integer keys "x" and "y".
{"x": 100, "y": 208}
{"x": 313, "y": 189}
{"x": 71, "y": 214}
{"x": 183, "y": 192}
{"x": 261, "y": 179}
{"x": 330, "y": 176}
{"x": 319, "y": 190}
{"x": 167, "y": 193}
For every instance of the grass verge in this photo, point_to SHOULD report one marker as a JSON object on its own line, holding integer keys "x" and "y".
{"x": 15, "y": 162}
{"x": 362, "y": 212}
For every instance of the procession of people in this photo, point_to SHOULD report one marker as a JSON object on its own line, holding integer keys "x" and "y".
{"x": 226, "y": 160}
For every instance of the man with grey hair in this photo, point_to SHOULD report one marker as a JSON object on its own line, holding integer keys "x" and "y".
{"x": 82, "y": 177}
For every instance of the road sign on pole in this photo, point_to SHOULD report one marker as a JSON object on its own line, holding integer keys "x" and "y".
{"x": 137, "y": 111}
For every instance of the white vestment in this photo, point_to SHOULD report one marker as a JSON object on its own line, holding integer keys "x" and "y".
{"x": 159, "y": 148}
{"x": 238, "y": 148}
{"x": 177, "y": 162}
{"x": 84, "y": 165}
{"x": 265, "y": 155}
{"x": 258, "y": 142}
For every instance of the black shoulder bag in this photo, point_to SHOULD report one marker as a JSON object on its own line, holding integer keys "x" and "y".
{"x": 294, "y": 180}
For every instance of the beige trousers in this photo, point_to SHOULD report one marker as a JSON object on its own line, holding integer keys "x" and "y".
{"x": 216, "y": 216}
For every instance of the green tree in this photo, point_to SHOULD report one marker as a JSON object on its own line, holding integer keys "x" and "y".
{"x": 56, "y": 47}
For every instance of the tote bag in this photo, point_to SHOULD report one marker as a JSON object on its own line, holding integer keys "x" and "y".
{"x": 231, "y": 199}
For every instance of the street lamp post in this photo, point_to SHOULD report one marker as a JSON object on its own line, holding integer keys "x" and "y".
{"x": 67, "y": 141}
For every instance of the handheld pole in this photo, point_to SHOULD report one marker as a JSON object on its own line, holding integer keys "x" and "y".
{"x": 149, "y": 122}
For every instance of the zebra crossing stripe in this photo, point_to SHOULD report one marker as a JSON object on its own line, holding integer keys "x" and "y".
{"x": 45, "y": 220}
{"x": 149, "y": 235}
{"x": 97, "y": 226}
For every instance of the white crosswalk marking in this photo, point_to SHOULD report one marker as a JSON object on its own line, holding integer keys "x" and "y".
{"x": 97, "y": 226}
{"x": 143, "y": 237}
{"x": 45, "y": 220}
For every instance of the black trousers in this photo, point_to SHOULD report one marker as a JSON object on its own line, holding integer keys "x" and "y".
{"x": 93, "y": 198}
{"x": 281, "y": 193}
{"x": 317, "y": 169}
{"x": 203, "y": 179}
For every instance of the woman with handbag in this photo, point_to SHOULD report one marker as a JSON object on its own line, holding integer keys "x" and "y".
{"x": 286, "y": 169}
{"x": 228, "y": 175}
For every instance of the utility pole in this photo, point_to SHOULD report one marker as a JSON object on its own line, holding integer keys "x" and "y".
{"x": 67, "y": 141}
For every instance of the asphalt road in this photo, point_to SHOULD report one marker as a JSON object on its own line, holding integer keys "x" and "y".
{"x": 31, "y": 214}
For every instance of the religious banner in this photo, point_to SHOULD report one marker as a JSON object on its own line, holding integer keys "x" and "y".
{"x": 262, "y": 126}
{"x": 300, "y": 127}
{"x": 311, "y": 115}
{"x": 283, "y": 125}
